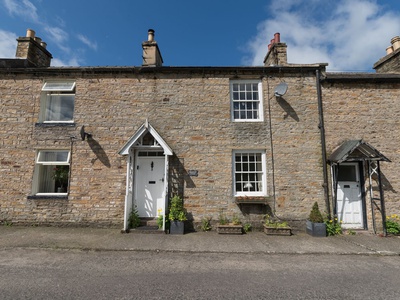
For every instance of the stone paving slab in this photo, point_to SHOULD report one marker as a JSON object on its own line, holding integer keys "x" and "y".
{"x": 208, "y": 242}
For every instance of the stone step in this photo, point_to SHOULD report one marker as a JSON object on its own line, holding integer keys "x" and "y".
{"x": 148, "y": 222}
{"x": 147, "y": 229}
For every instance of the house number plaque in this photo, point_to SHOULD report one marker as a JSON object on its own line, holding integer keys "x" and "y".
{"x": 194, "y": 173}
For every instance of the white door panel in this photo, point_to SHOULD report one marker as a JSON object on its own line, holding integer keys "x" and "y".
{"x": 349, "y": 200}
{"x": 149, "y": 185}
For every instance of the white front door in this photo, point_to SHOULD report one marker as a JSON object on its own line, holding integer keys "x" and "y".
{"x": 349, "y": 200}
{"x": 149, "y": 183}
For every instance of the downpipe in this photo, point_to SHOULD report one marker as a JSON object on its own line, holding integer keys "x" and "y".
{"x": 323, "y": 146}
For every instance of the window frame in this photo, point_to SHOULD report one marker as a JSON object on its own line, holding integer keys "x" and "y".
{"x": 263, "y": 181}
{"x": 44, "y": 163}
{"x": 259, "y": 101}
{"x": 55, "y": 88}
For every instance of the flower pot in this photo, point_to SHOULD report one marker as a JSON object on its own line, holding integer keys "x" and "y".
{"x": 177, "y": 227}
{"x": 268, "y": 230}
{"x": 230, "y": 229}
{"x": 316, "y": 229}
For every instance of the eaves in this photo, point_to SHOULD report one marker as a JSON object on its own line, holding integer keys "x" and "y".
{"x": 230, "y": 71}
{"x": 360, "y": 78}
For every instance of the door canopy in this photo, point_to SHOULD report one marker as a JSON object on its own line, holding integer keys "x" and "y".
{"x": 142, "y": 131}
{"x": 355, "y": 150}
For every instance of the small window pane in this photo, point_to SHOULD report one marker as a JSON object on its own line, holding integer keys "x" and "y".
{"x": 347, "y": 173}
{"x": 59, "y": 86}
{"x": 60, "y": 107}
{"x": 53, "y": 156}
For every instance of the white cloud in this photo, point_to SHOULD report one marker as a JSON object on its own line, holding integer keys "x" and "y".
{"x": 8, "y": 44}
{"x": 72, "y": 62}
{"x": 87, "y": 42}
{"x": 349, "y": 35}
{"x": 22, "y": 8}
{"x": 56, "y": 36}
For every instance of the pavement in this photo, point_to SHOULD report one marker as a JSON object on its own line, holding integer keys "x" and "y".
{"x": 98, "y": 239}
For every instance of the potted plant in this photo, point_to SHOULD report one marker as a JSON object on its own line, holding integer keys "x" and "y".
{"x": 272, "y": 227}
{"x": 226, "y": 227}
{"x": 177, "y": 215}
{"x": 315, "y": 223}
{"x": 60, "y": 176}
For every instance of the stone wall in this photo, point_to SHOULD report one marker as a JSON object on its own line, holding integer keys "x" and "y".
{"x": 191, "y": 111}
{"x": 368, "y": 111}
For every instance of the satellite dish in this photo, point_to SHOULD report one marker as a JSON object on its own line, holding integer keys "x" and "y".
{"x": 84, "y": 134}
{"x": 281, "y": 89}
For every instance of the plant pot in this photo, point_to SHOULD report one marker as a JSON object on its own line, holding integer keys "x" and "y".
{"x": 316, "y": 229}
{"x": 268, "y": 230}
{"x": 230, "y": 229}
{"x": 177, "y": 227}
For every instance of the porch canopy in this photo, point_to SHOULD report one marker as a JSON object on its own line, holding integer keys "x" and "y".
{"x": 360, "y": 151}
{"x": 355, "y": 150}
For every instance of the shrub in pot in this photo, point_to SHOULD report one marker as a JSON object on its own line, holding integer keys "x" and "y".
{"x": 177, "y": 215}
{"x": 315, "y": 224}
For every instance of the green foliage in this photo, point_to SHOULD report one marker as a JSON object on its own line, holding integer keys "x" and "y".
{"x": 247, "y": 227}
{"x": 315, "y": 214}
{"x": 236, "y": 220}
{"x": 176, "y": 210}
{"x": 393, "y": 224}
{"x": 272, "y": 223}
{"x": 160, "y": 221}
{"x": 223, "y": 220}
{"x": 133, "y": 220}
{"x": 351, "y": 232}
{"x": 206, "y": 224}
{"x": 60, "y": 175}
{"x": 333, "y": 227}
{"x": 7, "y": 223}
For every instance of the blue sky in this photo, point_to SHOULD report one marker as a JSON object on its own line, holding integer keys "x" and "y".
{"x": 350, "y": 35}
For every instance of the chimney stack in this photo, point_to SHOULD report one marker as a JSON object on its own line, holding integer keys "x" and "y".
{"x": 151, "y": 53}
{"x": 390, "y": 63}
{"x": 33, "y": 50}
{"x": 277, "y": 52}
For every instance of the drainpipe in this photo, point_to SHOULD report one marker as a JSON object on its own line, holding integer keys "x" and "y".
{"x": 322, "y": 134}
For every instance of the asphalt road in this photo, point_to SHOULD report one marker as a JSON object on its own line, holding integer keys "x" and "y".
{"x": 76, "y": 274}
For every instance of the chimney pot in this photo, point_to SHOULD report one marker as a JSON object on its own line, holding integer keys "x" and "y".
{"x": 43, "y": 44}
{"x": 38, "y": 39}
{"x": 395, "y": 42}
{"x": 150, "y": 35}
{"x": 30, "y": 33}
{"x": 277, "y": 37}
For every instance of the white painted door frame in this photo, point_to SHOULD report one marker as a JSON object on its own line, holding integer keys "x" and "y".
{"x": 129, "y": 149}
{"x": 131, "y": 185}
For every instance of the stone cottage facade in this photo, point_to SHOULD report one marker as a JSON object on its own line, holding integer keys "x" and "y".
{"x": 84, "y": 145}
